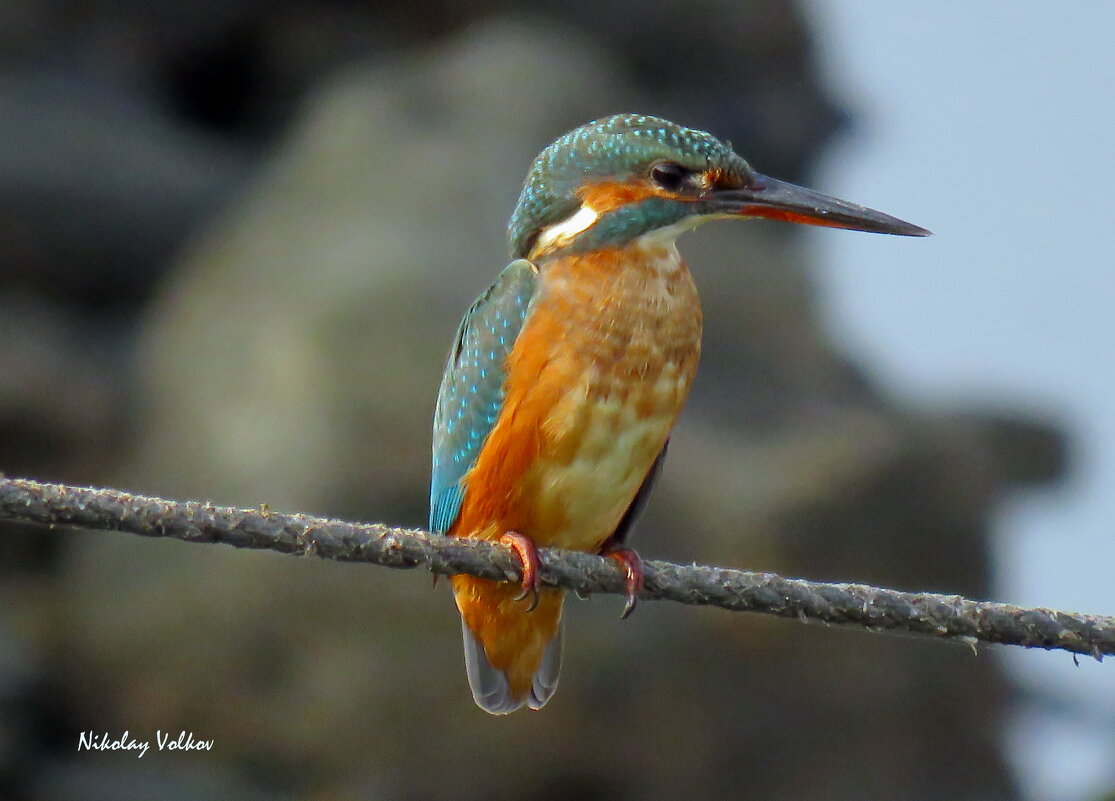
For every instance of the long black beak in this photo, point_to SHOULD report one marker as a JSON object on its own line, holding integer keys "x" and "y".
{"x": 778, "y": 200}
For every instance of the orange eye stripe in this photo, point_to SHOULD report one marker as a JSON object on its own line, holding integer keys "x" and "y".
{"x": 605, "y": 196}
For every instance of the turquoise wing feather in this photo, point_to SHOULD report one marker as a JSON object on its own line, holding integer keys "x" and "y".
{"x": 472, "y": 389}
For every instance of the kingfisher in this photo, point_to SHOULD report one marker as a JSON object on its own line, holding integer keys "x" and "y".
{"x": 568, "y": 373}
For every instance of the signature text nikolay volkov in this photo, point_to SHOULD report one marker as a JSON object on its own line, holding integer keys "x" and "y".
{"x": 164, "y": 740}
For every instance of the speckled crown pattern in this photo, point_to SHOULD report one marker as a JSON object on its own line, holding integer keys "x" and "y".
{"x": 615, "y": 147}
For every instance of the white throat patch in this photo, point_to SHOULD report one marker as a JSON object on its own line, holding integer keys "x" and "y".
{"x": 665, "y": 237}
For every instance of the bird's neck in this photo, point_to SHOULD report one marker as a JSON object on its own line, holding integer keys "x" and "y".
{"x": 663, "y": 239}
{"x": 612, "y": 217}
{"x": 656, "y": 249}
{"x": 647, "y": 273}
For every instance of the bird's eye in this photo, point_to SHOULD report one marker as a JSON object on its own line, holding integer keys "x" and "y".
{"x": 669, "y": 175}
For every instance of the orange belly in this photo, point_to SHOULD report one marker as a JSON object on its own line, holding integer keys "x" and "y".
{"x": 594, "y": 384}
{"x": 601, "y": 439}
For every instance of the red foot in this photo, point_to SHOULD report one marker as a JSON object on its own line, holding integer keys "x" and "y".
{"x": 633, "y": 585}
{"x": 525, "y": 549}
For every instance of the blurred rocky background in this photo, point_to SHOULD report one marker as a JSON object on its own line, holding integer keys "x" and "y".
{"x": 235, "y": 241}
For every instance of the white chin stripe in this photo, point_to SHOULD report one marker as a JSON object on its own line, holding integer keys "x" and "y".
{"x": 561, "y": 232}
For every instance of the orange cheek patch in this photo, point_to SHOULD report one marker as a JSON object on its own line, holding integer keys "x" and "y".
{"x": 605, "y": 196}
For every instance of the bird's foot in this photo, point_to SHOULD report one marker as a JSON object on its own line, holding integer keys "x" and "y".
{"x": 527, "y": 551}
{"x": 633, "y": 582}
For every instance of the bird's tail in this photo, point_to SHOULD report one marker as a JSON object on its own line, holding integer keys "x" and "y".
{"x": 513, "y": 656}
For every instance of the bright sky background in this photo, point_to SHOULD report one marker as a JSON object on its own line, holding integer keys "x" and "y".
{"x": 993, "y": 124}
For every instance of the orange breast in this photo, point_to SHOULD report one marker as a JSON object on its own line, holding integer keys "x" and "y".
{"x": 595, "y": 382}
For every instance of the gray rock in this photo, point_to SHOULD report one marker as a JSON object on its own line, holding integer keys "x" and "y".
{"x": 98, "y": 185}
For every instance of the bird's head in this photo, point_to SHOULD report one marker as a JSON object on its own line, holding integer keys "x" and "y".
{"x": 619, "y": 178}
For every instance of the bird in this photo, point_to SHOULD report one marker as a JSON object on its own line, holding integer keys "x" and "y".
{"x": 567, "y": 374}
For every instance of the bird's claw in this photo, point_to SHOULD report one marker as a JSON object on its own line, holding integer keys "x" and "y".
{"x": 527, "y": 551}
{"x": 633, "y": 577}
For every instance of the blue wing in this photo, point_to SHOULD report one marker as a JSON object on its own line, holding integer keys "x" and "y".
{"x": 471, "y": 394}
